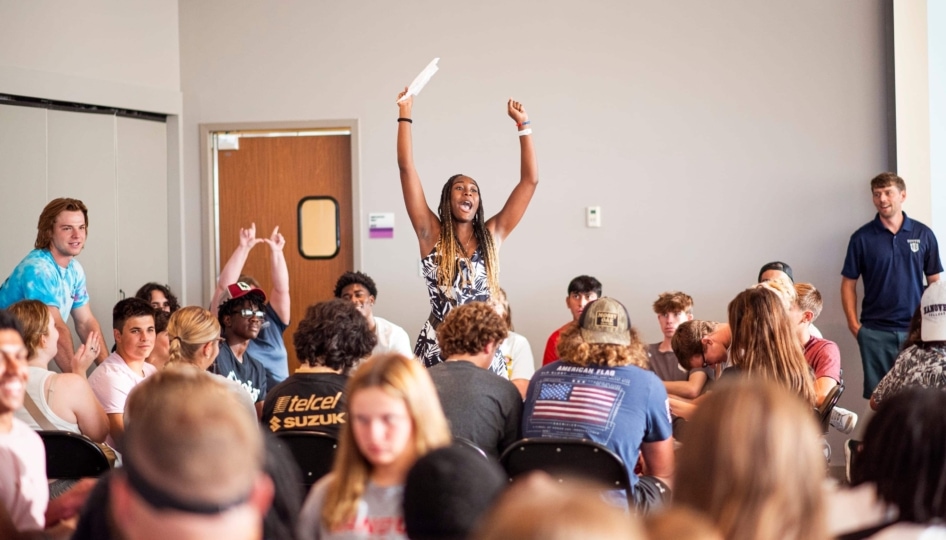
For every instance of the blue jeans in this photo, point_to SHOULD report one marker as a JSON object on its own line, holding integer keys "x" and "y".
{"x": 879, "y": 349}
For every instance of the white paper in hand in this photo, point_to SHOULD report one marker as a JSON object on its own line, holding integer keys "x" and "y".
{"x": 421, "y": 80}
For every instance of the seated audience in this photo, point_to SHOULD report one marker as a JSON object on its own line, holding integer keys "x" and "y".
{"x": 160, "y": 353}
{"x": 159, "y": 296}
{"x": 479, "y": 406}
{"x": 921, "y": 364}
{"x": 331, "y": 339}
{"x": 764, "y": 345}
{"x": 193, "y": 466}
{"x": 266, "y": 346}
{"x": 520, "y": 363}
{"x": 602, "y": 391}
{"x": 447, "y": 491}
{"x": 195, "y": 341}
{"x": 359, "y": 289}
{"x": 673, "y": 309}
{"x": 25, "y": 508}
{"x": 537, "y": 508}
{"x": 56, "y": 401}
{"x": 753, "y": 463}
{"x": 133, "y": 328}
{"x": 581, "y": 291}
{"x": 241, "y": 316}
{"x": 395, "y": 419}
{"x": 903, "y": 460}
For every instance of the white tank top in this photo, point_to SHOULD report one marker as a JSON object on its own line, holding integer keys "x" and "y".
{"x": 34, "y": 388}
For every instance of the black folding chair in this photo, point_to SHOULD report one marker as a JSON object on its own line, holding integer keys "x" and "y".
{"x": 462, "y": 441}
{"x": 568, "y": 458}
{"x": 313, "y": 451}
{"x": 72, "y": 456}
{"x": 823, "y": 413}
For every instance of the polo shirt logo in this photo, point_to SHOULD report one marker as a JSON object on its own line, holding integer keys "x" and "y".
{"x": 914, "y": 245}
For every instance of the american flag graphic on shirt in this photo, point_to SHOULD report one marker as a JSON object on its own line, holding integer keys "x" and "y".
{"x": 575, "y": 403}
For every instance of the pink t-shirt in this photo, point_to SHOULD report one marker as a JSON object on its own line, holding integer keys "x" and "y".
{"x": 112, "y": 381}
{"x": 24, "y": 491}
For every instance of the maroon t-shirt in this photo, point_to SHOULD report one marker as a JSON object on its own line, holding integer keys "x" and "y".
{"x": 824, "y": 357}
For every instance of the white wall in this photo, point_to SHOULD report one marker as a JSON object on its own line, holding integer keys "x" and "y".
{"x": 937, "y": 77}
{"x": 716, "y": 136}
{"x": 912, "y": 101}
{"x": 104, "y": 52}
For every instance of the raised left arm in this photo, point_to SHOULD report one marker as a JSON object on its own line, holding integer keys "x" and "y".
{"x": 506, "y": 220}
{"x": 279, "y": 273}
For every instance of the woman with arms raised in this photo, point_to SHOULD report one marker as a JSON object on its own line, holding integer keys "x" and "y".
{"x": 458, "y": 245}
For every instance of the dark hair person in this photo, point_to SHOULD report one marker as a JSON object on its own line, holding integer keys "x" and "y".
{"x": 459, "y": 246}
{"x": 904, "y": 456}
{"x": 159, "y": 296}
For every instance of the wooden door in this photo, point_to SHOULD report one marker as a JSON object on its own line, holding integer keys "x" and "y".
{"x": 264, "y": 182}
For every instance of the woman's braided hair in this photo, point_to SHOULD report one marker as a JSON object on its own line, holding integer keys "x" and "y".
{"x": 449, "y": 249}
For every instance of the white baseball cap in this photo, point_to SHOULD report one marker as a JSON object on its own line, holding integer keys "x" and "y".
{"x": 933, "y": 308}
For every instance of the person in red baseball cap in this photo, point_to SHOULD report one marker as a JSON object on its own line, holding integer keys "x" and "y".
{"x": 241, "y": 317}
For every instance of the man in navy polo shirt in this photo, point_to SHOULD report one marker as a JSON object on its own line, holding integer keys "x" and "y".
{"x": 893, "y": 253}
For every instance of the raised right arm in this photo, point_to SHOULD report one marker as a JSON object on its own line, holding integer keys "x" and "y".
{"x": 231, "y": 271}
{"x": 423, "y": 219}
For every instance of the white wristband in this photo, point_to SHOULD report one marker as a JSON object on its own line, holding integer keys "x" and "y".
{"x": 527, "y": 131}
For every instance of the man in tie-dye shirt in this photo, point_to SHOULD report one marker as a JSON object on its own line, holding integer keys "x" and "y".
{"x": 51, "y": 275}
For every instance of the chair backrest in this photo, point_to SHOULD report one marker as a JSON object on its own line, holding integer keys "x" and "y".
{"x": 462, "y": 441}
{"x": 314, "y": 452}
{"x": 824, "y": 411}
{"x": 567, "y": 458}
{"x": 71, "y": 455}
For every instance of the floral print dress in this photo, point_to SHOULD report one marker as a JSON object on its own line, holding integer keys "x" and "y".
{"x": 470, "y": 285}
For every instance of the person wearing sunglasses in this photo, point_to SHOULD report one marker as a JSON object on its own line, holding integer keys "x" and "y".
{"x": 241, "y": 316}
